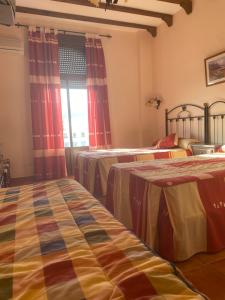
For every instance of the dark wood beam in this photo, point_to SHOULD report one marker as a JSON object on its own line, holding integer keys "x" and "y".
{"x": 130, "y": 10}
{"x": 185, "y": 4}
{"x": 54, "y": 14}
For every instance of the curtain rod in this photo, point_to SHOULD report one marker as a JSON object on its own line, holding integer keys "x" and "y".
{"x": 68, "y": 31}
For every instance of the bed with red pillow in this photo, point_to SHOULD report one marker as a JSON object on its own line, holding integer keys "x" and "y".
{"x": 91, "y": 168}
{"x": 177, "y": 207}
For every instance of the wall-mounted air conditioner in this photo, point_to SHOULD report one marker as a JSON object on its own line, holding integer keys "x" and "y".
{"x": 7, "y": 12}
{"x": 11, "y": 45}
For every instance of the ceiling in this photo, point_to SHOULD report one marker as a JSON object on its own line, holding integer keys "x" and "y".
{"x": 138, "y": 14}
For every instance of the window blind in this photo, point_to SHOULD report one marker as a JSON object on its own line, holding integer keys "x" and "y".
{"x": 72, "y": 61}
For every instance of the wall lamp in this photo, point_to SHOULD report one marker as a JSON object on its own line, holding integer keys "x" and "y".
{"x": 154, "y": 102}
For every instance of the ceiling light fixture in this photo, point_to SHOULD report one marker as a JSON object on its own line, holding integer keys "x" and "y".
{"x": 107, "y": 2}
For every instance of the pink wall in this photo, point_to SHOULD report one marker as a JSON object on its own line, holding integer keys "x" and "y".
{"x": 129, "y": 68}
{"x": 179, "y": 53}
{"x": 15, "y": 117}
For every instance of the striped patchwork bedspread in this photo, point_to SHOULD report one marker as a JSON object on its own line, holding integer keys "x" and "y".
{"x": 58, "y": 242}
{"x": 177, "y": 207}
{"x": 92, "y": 167}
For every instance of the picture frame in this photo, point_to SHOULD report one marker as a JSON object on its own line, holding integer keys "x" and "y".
{"x": 215, "y": 69}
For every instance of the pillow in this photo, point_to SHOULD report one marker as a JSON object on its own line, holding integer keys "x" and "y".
{"x": 170, "y": 141}
{"x": 186, "y": 143}
{"x": 220, "y": 148}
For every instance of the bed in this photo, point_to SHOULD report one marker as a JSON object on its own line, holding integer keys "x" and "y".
{"x": 91, "y": 168}
{"x": 153, "y": 198}
{"x": 58, "y": 242}
{"x": 177, "y": 207}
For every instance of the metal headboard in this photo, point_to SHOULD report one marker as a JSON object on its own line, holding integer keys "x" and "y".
{"x": 186, "y": 123}
{"x": 216, "y": 123}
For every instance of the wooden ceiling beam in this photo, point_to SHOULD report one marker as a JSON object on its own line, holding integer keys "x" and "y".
{"x": 130, "y": 10}
{"x": 54, "y": 14}
{"x": 185, "y": 4}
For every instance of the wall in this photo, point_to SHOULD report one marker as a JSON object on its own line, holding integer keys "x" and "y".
{"x": 15, "y": 118}
{"x": 129, "y": 83}
{"x": 147, "y": 114}
{"x": 179, "y": 53}
{"x": 128, "y": 62}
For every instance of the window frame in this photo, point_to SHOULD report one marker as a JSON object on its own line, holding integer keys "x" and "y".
{"x": 69, "y": 115}
{"x": 67, "y": 88}
{"x": 77, "y": 43}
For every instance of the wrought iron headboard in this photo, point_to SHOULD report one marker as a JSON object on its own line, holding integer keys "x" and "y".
{"x": 216, "y": 124}
{"x": 188, "y": 124}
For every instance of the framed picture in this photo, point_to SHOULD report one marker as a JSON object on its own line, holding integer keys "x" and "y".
{"x": 215, "y": 69}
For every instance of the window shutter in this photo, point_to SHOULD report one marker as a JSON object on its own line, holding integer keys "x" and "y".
{"x": 72, "y": 58}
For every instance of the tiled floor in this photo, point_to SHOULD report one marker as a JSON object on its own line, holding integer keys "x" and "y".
{"x": 21, "y": 181}
{"x": 207, "y": 273}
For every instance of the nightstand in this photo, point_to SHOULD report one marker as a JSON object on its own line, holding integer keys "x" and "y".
{"x": 198, "y": 149}
{"x": 4, "y": 173}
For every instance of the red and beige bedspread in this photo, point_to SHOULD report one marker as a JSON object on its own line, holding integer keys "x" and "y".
{"x": 177, "y": 207}
{"x": 92, "y": 167}
{"x": 58, "y": 242}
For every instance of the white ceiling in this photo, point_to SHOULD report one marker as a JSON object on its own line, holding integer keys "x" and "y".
{"x": 152, "y": 5}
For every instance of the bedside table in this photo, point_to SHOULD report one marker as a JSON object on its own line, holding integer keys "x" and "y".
{"x": 4, "y": 173}
{"x": 198, "y": 149}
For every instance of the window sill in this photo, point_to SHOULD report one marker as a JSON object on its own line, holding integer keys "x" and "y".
{"x": 86, "y": 148}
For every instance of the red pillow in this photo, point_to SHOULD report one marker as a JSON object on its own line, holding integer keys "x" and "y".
{"x": 170, "y": 141}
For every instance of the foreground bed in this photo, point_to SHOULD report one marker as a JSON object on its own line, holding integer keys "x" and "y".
{"x": 176, "y": 206}
{"x": 92, "y": 167}
{"x": 58, "y": 242}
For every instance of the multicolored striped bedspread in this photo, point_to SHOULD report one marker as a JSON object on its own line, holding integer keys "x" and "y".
{"x": 177, "y": 207}
{"x": 92, "y": 167}
{"x": 57, "y": 242}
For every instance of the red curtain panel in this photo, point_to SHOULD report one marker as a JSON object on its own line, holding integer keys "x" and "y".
{"x": 98, "y": 108}
{"x": 47, "y": 127}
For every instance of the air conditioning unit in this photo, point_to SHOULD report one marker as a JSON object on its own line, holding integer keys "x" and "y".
{"x": 7, "y": 12}
{"x": 11, "y": 45}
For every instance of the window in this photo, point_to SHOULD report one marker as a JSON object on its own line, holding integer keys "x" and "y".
{"x": 72, "y": 59}
{"x": 75, "y": 117}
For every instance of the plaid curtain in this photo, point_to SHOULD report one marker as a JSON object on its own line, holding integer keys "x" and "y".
{"x": 98, "y": 108}
{"x": 48, "y": 144}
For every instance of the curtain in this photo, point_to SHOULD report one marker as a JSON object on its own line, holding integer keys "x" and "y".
{"x": 47, "y": 128}
{"x": 98, "y": 108}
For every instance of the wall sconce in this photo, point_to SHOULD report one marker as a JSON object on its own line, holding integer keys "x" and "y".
{"x": 154, "y": 102}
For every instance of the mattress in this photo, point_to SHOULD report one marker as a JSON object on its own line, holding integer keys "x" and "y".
{"x": 58, "y": 242}
{"x": 177, "y": 206}
{"x": 91, "y": 168}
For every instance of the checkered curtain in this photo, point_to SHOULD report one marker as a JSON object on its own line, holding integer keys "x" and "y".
{"x": 98, "y": 108}
{"x": 48, "y": 144}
